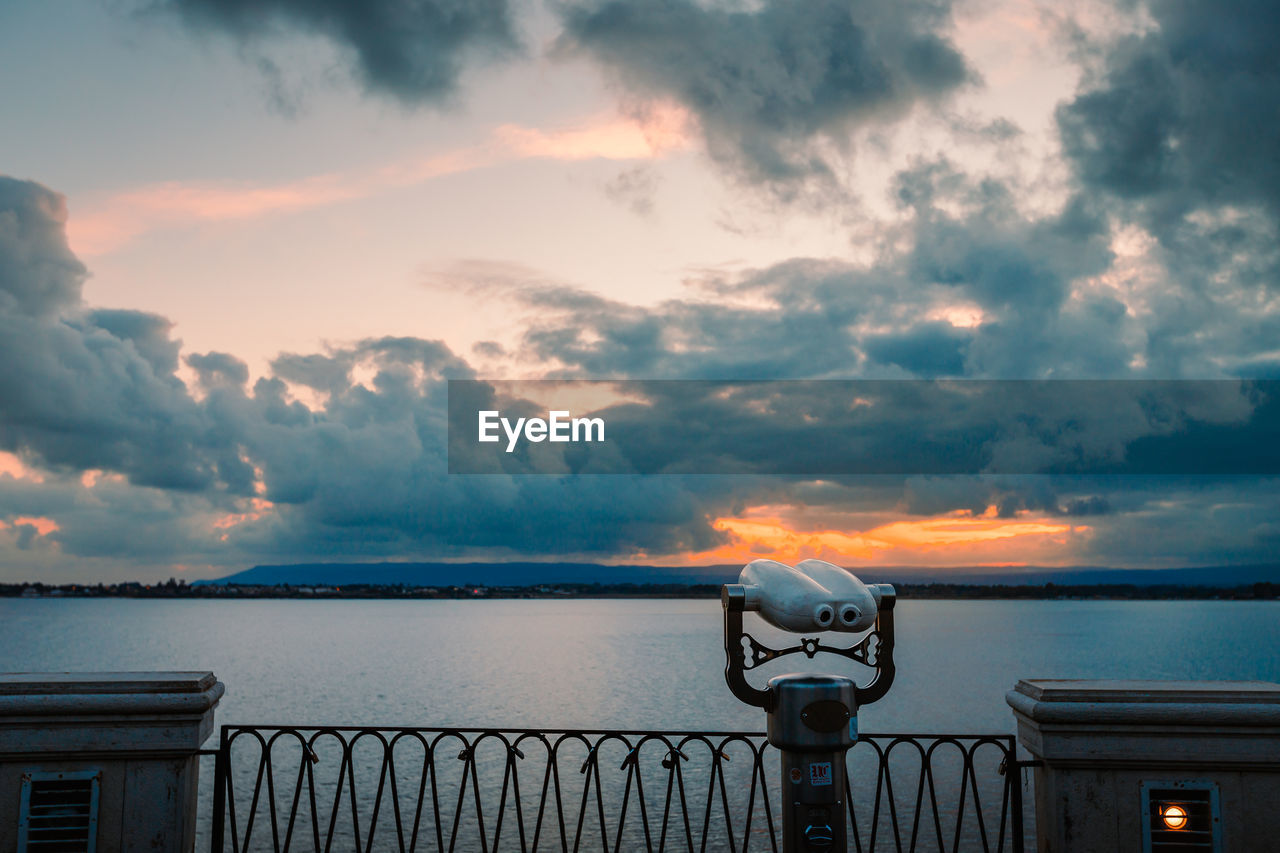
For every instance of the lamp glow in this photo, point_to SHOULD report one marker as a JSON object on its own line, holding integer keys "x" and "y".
{"x": 1175, "y": 817}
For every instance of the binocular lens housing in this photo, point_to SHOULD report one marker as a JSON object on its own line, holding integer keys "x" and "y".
{"x": 811, "y": 596}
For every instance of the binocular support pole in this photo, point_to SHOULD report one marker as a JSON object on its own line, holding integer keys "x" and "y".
{"x": 812, "y": 719}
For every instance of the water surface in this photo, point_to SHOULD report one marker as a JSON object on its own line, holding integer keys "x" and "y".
{"x": 654, "y": 664}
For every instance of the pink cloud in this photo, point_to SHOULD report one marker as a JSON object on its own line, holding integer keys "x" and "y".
{"x": 44, "y": 526}
{"x": 113, "y": 221}
{"x": 12, "y": 466}
{"x": 649, "y": 134}
{"x": 257, "y": 509}
{"x": 122, "y": 217}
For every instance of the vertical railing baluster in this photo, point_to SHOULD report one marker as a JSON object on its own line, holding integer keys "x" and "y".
{"x": 221, "y": 777}
{"x": 257, "y": 791}
{"x": 1013, "y": 777}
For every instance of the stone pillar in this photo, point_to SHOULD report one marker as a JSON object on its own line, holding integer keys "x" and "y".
{"x": 1112, "y": 749}
{"x": 131, "y": 737}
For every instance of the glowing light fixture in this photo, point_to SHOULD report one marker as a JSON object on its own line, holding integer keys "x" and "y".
{"x": 1175, "y": 817}
{"x": 1180, "y": 816}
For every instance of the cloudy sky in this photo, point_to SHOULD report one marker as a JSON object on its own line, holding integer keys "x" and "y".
{"x": 243, "y": 245}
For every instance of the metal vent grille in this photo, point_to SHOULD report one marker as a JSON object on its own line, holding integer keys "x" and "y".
{"x": 1181, "y": 817}
{"x": 59, "y": 812}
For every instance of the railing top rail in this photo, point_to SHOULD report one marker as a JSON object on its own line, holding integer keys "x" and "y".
{"x": 231, "y": 727}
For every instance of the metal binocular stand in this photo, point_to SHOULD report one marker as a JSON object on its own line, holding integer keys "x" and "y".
{"x": 812, "y": 718}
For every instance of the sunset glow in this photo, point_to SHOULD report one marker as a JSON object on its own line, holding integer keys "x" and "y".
{"x": 258, "y": 509}
{"x": 957, "y": 538}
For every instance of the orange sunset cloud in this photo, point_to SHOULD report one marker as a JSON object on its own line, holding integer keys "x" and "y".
{"x": 959, "y": 538}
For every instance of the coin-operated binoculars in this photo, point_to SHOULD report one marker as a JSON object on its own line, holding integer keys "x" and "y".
{"x": 813, "y": 719}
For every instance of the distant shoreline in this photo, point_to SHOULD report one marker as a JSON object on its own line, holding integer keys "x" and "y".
{"x": 1264, "y": 591}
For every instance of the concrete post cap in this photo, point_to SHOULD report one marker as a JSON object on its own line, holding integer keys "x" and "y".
{"x": 97, "y": 693}
{"x": 1147, "y": 701}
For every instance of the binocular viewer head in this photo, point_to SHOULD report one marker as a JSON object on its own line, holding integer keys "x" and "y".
{"x": 813, "y": 595}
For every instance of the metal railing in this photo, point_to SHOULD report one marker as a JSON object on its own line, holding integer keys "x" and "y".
{"x": 289, "y": 788}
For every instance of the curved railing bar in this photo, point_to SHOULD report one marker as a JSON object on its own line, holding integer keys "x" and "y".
{"x": 487, "y": 793}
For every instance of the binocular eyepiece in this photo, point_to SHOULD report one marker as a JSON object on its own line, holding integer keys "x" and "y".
{"x": 813, "y": 595}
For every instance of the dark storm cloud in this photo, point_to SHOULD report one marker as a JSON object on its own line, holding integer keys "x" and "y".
{"x": 414, "y": 50}
{"x": 1176, "y": 130}
{"x": 85, "y": 389}
{"x": 925, "y": 349}
{"x": 1057, "y": 496}
{"x": 148, "y": 334}
{"x": 115, "y": 519}
{"x": 595, "y": 336}
{"x": 1185, "y": 115}
{"x": 325, "y": 373}
{"x": 1091, "y": 505}
{"x": 366, "y": 474}
{"x": 38, "y": 273}
{"x": 771, "y": 84}
{"x": 219, "y": 368}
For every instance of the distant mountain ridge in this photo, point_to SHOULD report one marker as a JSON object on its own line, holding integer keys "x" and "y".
{"x": 465, "y": 574}
{"x": 534, "y": 574}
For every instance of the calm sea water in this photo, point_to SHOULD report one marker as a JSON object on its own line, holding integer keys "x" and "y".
{"x": 614, "y": 663}
{"x": 639, "y": 664}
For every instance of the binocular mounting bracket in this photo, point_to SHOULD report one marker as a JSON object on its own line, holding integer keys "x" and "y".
{"x": 744, "y": 652}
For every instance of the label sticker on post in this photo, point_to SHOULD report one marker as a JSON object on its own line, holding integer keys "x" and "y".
{"x": 853, "y": 727}
{"x": 820, "y": 773}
